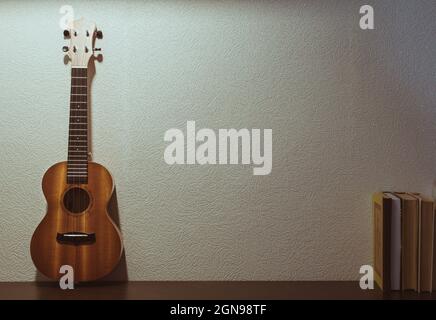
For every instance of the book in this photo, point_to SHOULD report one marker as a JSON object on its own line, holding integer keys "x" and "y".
{"x": 409, "y": 241}
{"x": 382, "y": 206}
{"x": 426, "y": 239}
{"x": 427, "y": 243}
{"x": 434, "y": 251}
{"x": 395, "y": 246}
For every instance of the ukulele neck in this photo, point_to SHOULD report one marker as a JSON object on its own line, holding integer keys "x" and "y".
{"x": 77, "y": 163}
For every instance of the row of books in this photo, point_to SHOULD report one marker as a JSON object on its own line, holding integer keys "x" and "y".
{"x": 404, "y": 241}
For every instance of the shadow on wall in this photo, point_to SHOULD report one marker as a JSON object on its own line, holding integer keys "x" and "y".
{"x": 120, "y": 272}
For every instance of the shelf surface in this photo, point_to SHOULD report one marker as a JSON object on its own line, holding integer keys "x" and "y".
{"x": 199, "y": 290}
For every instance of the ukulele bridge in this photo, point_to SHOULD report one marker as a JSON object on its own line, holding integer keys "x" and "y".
{"x": 75, "y": 238}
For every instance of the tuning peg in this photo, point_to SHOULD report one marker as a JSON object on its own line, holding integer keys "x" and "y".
{"x": 66, "y": 33}
{"x": 65, "y": 49}
{"x": 99, "y": 34}
{"x": 97, "y": 49}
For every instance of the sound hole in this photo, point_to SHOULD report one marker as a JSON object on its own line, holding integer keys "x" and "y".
{"x": 76, "y": 200}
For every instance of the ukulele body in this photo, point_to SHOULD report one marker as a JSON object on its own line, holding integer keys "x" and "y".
{"x": 77, "y": 229}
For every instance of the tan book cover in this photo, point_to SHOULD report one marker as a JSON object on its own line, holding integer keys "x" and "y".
{"x": 409, "y": 241}
{"x": 381, "y": 221}
{"x": 427, "y": 240}
{"x": 395, "y": 245}
{"x": 426, "y": 236}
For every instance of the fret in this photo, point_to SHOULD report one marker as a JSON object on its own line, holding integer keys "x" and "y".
{"x": 77, "y": 144}
{"x": 78, "y": 140}
{"x": 77, "y": 180}
{"x": 77, "y": 148}
{"x": 78, "y": 113}
{"x": 79, "y": 77}
{"x": 79, "y": 82}
{"x": 79, "y": 126}
{"x": 74, "y": 159}
{"x": 73, "y": 125}
{"x": 79, "y": 89}
{"x": 78, "y": 98}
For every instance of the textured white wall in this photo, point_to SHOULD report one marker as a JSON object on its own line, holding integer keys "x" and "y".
{"x": 351, "y": 111}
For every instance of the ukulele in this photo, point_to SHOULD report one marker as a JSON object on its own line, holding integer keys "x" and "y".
{"x": 77, "y": 229}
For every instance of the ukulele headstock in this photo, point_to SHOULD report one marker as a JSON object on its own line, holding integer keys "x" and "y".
{"x": 82, "y": 36}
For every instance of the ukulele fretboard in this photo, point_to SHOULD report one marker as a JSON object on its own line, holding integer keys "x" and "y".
{"x": 77, "y": 163}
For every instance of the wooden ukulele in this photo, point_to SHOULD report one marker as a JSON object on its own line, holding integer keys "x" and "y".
{"x": 77, "y": 229}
